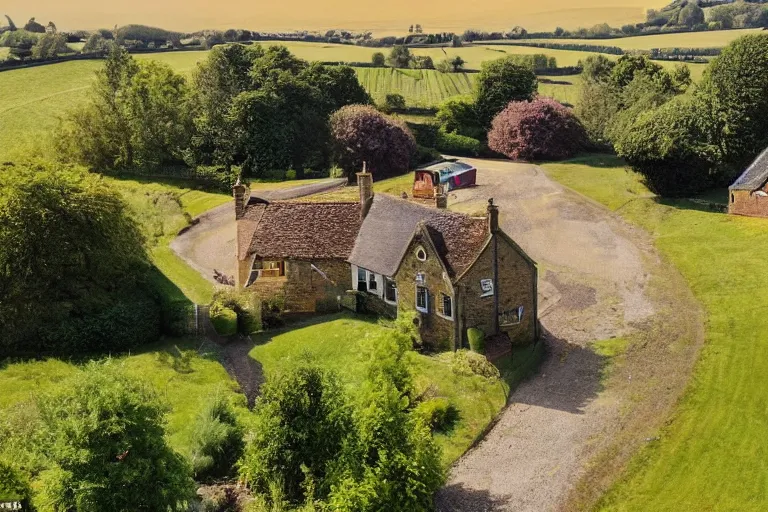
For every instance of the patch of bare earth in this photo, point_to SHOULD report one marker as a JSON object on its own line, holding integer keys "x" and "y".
{"x": 568, "y": 431}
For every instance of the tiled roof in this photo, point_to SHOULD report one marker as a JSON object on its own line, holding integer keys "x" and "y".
{"x": 755, "y": 176}
{"x": 390, "y": 224}
{"x": 286, "y": 230}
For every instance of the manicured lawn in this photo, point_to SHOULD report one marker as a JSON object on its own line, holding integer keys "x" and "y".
{"x": 339, "y": 343}
{"x": 184, "y": 373}
{"x": 712, "y": 454}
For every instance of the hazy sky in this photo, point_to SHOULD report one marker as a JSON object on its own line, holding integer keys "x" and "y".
{"x": 190, "y": 15}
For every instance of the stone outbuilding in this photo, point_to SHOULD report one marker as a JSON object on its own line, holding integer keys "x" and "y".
{"x": 749, "y": 193}
{"x": 453, "y": 270}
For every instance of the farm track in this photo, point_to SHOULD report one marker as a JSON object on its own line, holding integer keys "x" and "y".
{"x": 574, "y": 425}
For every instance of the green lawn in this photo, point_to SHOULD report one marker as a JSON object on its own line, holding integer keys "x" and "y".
{"x": 184, "y": 384}
{"x": 395, "y": 186}
{"x": 339, "y": 342}
{"x": 712, "y": 454}
{"x": 421, "y": 88}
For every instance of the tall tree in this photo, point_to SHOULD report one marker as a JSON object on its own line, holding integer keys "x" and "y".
{"x": 499, "y": 82}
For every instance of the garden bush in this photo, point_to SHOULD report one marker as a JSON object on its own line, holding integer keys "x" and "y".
{"x": 458, "y": 145}
{"x": 14, "y": 486}
{"x": 224, "y": 319}
{"x": 466, "y": 363}
{"x": 248, "y": 307}
{"x": 217, "y": 440}
{"x": 363, "y": 134}
{"x": 438, "y": 414}
{"x": 542, "y": 129}
{"x": 476, "y": 339}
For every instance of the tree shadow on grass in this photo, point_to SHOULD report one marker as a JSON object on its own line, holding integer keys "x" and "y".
{"x": 712, "y": 201}
{"x": 458, "y": 498}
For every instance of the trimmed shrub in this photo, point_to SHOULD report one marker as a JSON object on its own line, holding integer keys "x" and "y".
{"x": 438, "y": 414}
{"x": 459, "y": 145}
{"x": 466, "y": 363}
{"x": 542, "y": 129}
{"x": 217, "y": 440}
{"x": 224, "y": 319}
{"x": 363, "y": 134}
{"x": 476, "y": 339}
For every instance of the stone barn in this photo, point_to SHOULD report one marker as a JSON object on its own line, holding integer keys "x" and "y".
{"x": 749, "y": 193}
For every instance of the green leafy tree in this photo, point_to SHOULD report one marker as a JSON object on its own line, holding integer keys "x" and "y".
{"x": 499, "y": 82}
{"x": 458, "y": 115}
{"x": 299, "y": 427}
{"x": 691, "y": 15}
{"x": 71, "y": 264}
{"x": 668, "y": 146}
{"x": 400, "y": 57}
{"x": 735, "y": 92}
{"x": 105, "y": 442}
{"x": 135, "y": 117}
{"x": 378, "y": 60}
{"x": 597, "y": 68}
{"x": 50, "y": 46}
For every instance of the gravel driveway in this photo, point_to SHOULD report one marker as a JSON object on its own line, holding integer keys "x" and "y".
{"x": 594, "y": 285}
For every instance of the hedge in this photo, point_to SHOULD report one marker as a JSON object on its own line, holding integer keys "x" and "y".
{"x": 224, "y": 319}
{"x": 476, "y": 339}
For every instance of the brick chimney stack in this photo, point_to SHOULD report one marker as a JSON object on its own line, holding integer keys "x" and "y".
{"x": 441, "y": 198}
{"x": 493, "y": 217}
{"x": 239, "y": 192}
{"x": 365, "y": 184}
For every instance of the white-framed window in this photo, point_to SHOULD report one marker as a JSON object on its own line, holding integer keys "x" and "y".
{"x": 390, "y": 291}
{"x": 421, "y": 254}
{"x": 372, "y": 286}
{"x": 362, "y": 280}
{"x": 445, "y": 306}
{"x": 422, "y": 299}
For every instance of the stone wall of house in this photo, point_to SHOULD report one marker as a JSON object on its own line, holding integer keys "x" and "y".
{"x": 516, "y": 287}
{"x": 742, "y": 202}
{"x": 437, "y": 332}
{"x": 303, "y": 289}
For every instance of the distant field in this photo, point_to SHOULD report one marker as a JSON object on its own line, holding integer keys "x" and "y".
{"x": 714, "y": 39}
{"x": 421, "y": 88}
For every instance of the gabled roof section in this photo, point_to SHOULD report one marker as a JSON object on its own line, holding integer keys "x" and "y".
{"x": 755, "y": 176}
{"x": 287, "y": 230}
{"x": 389, "y": 227}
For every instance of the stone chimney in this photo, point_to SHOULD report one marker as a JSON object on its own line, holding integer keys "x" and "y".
{"x": 493, "y": 217}
{"x": 239, "y": 192}
{"x": 441, "y": 198}
{"x": 365, "y": 184}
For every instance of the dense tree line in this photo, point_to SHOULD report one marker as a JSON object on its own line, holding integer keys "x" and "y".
{"x": 260, "y": 109}
{"x": 681, "y": 143}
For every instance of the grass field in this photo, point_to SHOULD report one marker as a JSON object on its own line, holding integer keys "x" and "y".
{"x": 709, "y": 39}
{"x": 184, "y": 383}
{"x": 420, "y": 87}
{"x": 340, "y": 343}
{"x": 712, "y": 454}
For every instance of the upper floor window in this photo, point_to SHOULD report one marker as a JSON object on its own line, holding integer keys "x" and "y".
{"x": 421, "y": 254}
{"x": 422, "y": 299}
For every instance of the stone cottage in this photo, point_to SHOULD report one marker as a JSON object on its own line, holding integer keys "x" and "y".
{"x": 453, "y": 270}
{"x": 749, "y": 193}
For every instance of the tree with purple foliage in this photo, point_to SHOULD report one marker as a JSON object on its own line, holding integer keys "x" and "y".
{"x": 363, "y": 134}
{"x": 541, "y": 129}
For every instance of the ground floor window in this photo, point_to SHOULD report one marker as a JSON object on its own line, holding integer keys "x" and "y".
{"x": 273, "y": 269}
{"x": 390, "y": 291}
{"x": 372, "y": 286}
{"x": 446, "y": 305}
{"x": 422, "y": 299}
{"x": 362, "y": 283}
{"x": 511, "y": 316}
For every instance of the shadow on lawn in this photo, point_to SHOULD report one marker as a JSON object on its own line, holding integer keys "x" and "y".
{"x": 568, "y": 379}
{"x": 457, "y": 498}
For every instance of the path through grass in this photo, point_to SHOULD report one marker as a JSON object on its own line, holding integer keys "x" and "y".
{"x": 712, "y": 454}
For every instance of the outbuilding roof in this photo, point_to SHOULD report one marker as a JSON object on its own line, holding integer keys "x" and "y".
{"x": 390, "y": 224}
{"x": 755, "y": 176}
{"x": 286, "y": 230}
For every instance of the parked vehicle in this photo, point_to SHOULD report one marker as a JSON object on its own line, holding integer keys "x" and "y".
{"x": 449, "y": 175}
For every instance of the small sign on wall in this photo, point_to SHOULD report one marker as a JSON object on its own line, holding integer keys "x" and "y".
{"x": 511, "y": 316}
{"x": 486, "y": 287}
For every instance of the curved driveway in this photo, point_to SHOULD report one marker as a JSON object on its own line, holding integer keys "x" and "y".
{"x": 593, "y": 285}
